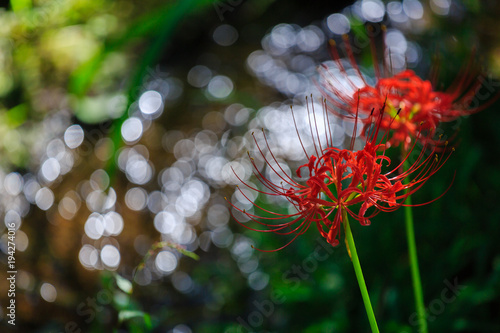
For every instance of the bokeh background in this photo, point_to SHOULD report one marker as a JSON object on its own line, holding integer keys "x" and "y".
{"x": 121, "y": 122}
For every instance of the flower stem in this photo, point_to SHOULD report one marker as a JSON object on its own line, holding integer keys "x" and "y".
{"x": 415, "y": 272}
{"x": 359, "y": 273}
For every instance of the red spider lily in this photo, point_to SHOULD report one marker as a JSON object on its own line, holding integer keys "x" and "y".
{"x": 416, "y": 99}
{"x": 338, "y": 180}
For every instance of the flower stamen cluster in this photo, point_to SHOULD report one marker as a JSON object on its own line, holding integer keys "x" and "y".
{"x": 416, "y": 98}
{"x": 338, "y": 180}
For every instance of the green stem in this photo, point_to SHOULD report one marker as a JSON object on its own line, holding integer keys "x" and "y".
{"x": 359, "y": 273}
{"x": 415, "y": 272}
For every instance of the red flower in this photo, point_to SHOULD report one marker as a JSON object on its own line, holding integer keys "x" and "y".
{"x": 414, "y": 98}
{"x": 338, "y": 179}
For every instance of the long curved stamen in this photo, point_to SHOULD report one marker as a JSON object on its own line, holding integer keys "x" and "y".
{"x": 298, "y": 134}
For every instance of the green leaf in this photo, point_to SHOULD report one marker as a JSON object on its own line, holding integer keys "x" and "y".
{"x": 128, "y": 314}
{"x": 96, "y": 109}
{"x": 325, "y": 326}
{"x": 17, "y": 115}
{"x": 19, "y": 5}
{"x": 123, "y": 284}
{"x": 147, "y": 321}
